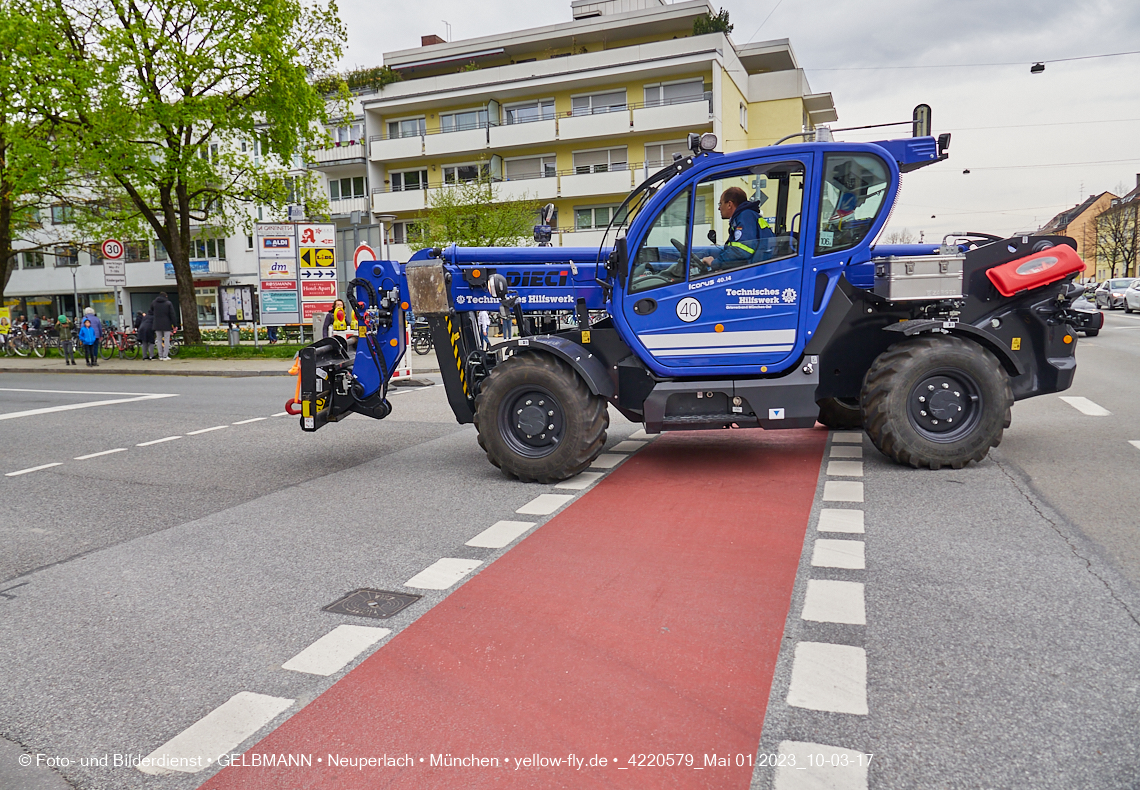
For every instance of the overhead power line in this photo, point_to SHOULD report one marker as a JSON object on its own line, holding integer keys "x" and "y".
{"x": 971, "y": 65}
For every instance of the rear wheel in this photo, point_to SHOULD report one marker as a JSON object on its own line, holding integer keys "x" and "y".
{"x": 936, "y": 401}
{"x": 106, "y": 347}
{"x": 537, "y": 419}
{"x": 38, "y": 346}
{"x": 421, "y": 343}
{"x": 841, "y": 413}
{"x": 1092, "y": 332}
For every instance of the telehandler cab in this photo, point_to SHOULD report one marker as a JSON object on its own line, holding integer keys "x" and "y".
{"x": 804, "y": 320}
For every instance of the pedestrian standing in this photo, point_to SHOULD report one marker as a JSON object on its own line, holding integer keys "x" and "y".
{"x": 89, "y": 313}
{"x": 146, "y": 335}
{"x": 88, "y": 338}
{"x": 162, "y": 316}
{"x": 337, "y": 321}
{"x": 484, "y": 320}
{"x": 66, "y": 344}
{"x": 271, "y": 333}
{"x": 507, "y": 321}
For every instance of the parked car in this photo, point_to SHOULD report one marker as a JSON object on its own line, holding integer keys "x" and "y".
{"x": 1132, "y": 297}
{"x": 1085, "y": 306}
{"x": 1110, "y": 293}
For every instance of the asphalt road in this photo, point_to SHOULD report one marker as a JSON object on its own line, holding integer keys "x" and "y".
{"x": 143, "y": 588}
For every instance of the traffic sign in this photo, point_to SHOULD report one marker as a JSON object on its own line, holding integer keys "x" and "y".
{"x": 363, "y": 253}
{"x": 318, "y": 274}
{"x": 317, "y": 257}
{"x": 115, "y": 271}
{"x": 112, "y": 250}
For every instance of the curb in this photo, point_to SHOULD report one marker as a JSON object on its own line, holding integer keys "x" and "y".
{"x": 220, "y": 373}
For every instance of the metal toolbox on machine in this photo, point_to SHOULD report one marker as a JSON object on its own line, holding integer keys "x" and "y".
{"x": 906, "y": 278}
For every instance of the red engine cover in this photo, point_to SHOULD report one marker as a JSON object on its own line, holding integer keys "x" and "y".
{"x": 1033, "y": 271}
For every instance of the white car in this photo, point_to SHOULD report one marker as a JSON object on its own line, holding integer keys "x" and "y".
{"x": 1132, "y": 297}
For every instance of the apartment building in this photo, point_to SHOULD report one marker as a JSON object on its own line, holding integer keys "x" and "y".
{"x": 574, "y": 114}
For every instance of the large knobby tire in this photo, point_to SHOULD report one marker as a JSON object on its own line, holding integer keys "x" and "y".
{"x": 537, "y": 419}
{"x": 936, "y": 401}
{"x": 840, "y": 413}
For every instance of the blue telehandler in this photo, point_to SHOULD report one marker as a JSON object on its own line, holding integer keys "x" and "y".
{"x": 693, "y": 320}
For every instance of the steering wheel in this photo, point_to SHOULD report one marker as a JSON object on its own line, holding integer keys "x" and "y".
{"x": 694, "y": 259}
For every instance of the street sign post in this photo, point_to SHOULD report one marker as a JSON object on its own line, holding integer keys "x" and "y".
{"x": 114, "y": 273}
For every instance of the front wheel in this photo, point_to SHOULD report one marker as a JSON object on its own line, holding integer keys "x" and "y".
{"x": 421, "y": 344}
{"x": 106, "y": 347}
{"x": 537, "y": 419}
{"x": 936, "y": 401}
{"x": 39, "y": 347}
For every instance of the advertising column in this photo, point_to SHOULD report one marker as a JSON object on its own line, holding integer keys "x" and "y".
{"x": 277, "y": 285}
{"x": 316, "y": 245}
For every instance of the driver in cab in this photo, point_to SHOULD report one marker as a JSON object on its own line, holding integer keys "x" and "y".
{"x": 745, "y": 229}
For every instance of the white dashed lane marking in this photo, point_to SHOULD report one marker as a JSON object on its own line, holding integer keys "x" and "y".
{"x": 607, "y": 461}
{"x": 842, "y": 491}
{"x": 838, "y": 554}
{"x": 1134, "y": 443}
{"x": 32, "y": 469}
{"x": 845, "y": 468}
{"x": 847, "y": 437}
{"x": 96, "y": 455}
{"x": 544, "y": 504}
{"x": 581, "y": 481}
{"x": 334, "y": 650}
{"x": 627, "y": 447}
{"x": 158, "y": 441}
{"x": 247, "y": 422}
{"x": 72, "y": 406}
{"x": 220, "y": 731}
{"x": 846, "y": 451}
{"x": 442, "y": 574}
{"x": 1086, "y": 406}
{"x": 829, "y": 678}
{"x": 207, "y": 430}
{"x": 280, "y": 414}
{"x": 834, "y": 602}
{"x": 837, "y": 520}
{"x": 814, "y": 766}
{"x": 500, "y": 534}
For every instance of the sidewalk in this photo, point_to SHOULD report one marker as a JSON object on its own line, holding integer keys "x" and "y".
{"x": 233, "y": 368}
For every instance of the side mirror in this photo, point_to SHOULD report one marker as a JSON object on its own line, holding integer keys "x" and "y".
{"x": 712, "y": 236}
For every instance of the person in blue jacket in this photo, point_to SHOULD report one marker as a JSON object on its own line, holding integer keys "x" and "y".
{"x": 745, "y": 229}
{"x": 89, "y": 340}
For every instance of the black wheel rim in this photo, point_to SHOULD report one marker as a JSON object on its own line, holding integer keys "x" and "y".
{"x": 531, "y": 421}
{"x": 945, "y": 405}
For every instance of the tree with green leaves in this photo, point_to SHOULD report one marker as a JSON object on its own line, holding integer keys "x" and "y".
{"x": 470, "y": 215}
{"x": 707, "y": 23}
{"x": 34, "y": 144}
{"x": 200, "y": 111}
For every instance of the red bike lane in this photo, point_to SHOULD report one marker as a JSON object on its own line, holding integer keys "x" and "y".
{"x": 644, "y": 619}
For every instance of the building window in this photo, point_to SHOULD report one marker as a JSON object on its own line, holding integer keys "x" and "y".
{"x": 409, "y": 127}
{"x": 347, "y": 134}
{"x": 346, "y": 188}
{"x": 593, "y": 217}
{"x": 525, "y": 112}
{"x": 657, "y": 155}
{"x": 160, "y": 253}
{"x": 62, "y": 215}
{"x": 674, "y": 92}
{"x": 530, "y": 167}
{"x": 409, "y": 180}
{"x": 462, "y": 121}
{"x": 464, "y": 174}
{"x": 136, "y": 252}
{"x": 744, "y": 116}
{"x": 601, "y": 161}
{"x": 33, "y": 260}
{"x": 249, "y": 242}
{"x": 66, "y": 256}
{"x": 208, "y": 248}
{"x": 406, "y": 233}
{"x": 594, "y": 103}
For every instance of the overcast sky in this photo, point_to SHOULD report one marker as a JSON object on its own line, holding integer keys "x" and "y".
{"x": 1018, "y": 133}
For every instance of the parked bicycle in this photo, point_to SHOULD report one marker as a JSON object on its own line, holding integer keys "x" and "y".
{"x": 421, "y": 337}
{"x": 126, "y": 343}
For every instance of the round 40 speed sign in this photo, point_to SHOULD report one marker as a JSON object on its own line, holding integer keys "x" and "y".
{"x": 112, "y": 249}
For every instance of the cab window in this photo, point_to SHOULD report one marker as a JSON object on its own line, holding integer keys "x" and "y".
{"x": 660, "y": 258}
{"x": 854, "y": 188}
{"x": 747, "y": 216}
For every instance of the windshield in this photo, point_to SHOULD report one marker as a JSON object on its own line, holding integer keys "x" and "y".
{"x": 625, "y": 213}
{"x": 1119, "y": 284}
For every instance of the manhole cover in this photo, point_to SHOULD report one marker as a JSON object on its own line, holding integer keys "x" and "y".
{"x": 372, "y": 603}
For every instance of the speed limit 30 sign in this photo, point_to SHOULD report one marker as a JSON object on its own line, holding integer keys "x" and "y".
{"x": 112, "y": 249}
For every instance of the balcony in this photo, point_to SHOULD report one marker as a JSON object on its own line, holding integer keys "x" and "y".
{"x": 527, "y": 189}
{"x": 387, "y": 202}
{"x": 346, "y": 206}
{"x": 524, "y": 133}
{"x": 573, "y": 126}
{"x": 687, "y": 114}
{"x": 612, "y": 182}
{"x": 460, "y": 141}
{"x": 382, "y": 148}
{"x": 344, "y": 154}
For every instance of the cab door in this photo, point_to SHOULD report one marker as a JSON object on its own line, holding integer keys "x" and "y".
{"x": 738, "y": 313}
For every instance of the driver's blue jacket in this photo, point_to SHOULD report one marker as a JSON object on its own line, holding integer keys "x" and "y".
{"x": 745, "y": 230}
